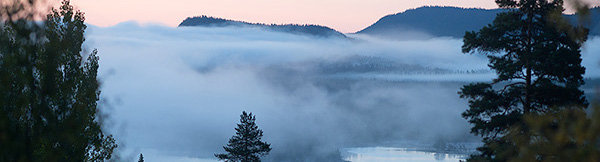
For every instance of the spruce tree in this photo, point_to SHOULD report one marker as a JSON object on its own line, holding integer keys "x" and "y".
{"x": 141, "y": 159}
{"x": 48, "y": 89}
{"x": 536, "y": 55}
{"x": 246, "y": 144}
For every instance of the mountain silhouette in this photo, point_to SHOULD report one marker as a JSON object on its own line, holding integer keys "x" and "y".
{"x": 428, "y": 22}
{"x": 312, "y": 30}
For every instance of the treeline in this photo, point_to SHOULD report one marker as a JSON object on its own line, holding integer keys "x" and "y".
{"x": 313, "y": 30}
{"x": 455, "y": 21}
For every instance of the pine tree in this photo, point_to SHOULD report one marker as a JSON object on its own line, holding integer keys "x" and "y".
{"x": 246, "y": 144}
{"x": 536, "y": 55}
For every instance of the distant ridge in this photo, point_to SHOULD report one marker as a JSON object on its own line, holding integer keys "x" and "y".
{"x": 448, "y": 22}
{"x": 313, "y": 30}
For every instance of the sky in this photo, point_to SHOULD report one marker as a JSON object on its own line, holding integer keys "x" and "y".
{"x": 343, "y": 15}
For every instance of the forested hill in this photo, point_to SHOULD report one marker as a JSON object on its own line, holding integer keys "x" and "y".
{"x": 447, "y": 22}
{"x": 313, "y": 30}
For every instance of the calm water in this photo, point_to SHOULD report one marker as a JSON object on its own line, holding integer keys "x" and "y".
{"x": 389, "y": 154}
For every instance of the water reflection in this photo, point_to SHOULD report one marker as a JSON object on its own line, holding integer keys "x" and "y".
{"x": 440, "y": 156}
{"x": 389, "y": 154}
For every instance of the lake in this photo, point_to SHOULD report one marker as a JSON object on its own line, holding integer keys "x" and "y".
{"x": 389, "y": 154}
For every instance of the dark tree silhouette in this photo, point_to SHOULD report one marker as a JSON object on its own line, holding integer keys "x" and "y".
{"x": 536, "y": 55}
{"x": 141, "y": 159}
{"x": 48, "y": 90}
{"x": 246, "y": 144}
{"x": 312, "y": 30}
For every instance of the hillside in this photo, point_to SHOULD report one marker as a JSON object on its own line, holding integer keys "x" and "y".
{"x": 313, "y": 30}
{"x": 428, "y": 22}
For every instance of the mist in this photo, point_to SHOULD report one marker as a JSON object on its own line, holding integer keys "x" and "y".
{"x": 177, "y": 93}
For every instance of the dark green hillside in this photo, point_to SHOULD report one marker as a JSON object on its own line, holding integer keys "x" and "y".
{"x": 449, "y": 22}
{"x": 313, "y": 30}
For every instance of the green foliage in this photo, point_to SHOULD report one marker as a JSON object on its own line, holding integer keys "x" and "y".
{"x": 567, "y": 135}
{"x": 49, "y": 92}
{"x": 536, "y": 56}
{"x": 246, "y": 144}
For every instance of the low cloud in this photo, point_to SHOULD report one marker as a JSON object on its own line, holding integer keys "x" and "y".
{"x": 178, "y": 92}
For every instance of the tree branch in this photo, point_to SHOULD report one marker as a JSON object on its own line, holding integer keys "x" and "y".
{"x": 509, "y": 85}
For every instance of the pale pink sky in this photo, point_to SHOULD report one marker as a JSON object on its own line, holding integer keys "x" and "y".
{"x": 343, "y": 15}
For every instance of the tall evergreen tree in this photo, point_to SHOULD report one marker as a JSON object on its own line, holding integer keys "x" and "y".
{"x": 48, "y": 90}
{"x": 536, "y": 55}
{"x": 141, "y": 159}
{"x": 246, "y": 144}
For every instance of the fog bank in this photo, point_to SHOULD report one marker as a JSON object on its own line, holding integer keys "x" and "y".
{"x": 178, "y": 92}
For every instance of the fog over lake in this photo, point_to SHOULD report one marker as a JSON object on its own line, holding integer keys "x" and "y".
{"x": 177, "y": 93}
